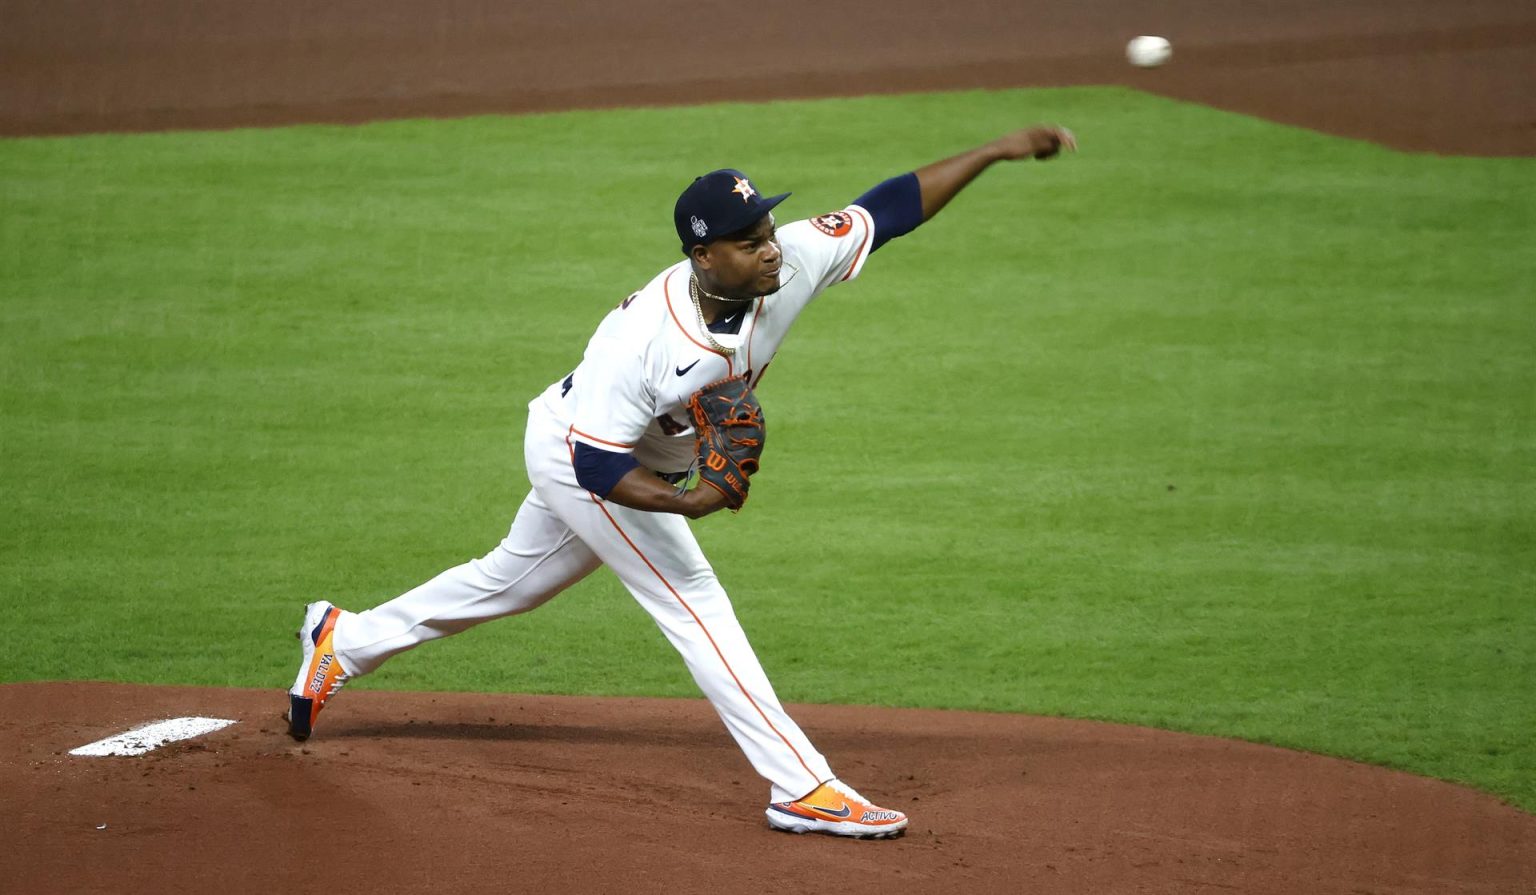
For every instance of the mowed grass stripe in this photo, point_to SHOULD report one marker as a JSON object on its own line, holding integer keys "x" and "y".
{"x": 1218, "y": 426}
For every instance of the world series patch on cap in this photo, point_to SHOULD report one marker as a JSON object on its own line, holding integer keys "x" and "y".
{"x": 718, "y": 204}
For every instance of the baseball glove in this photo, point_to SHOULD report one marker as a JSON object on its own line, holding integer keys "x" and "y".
{"x": 729, "y": 423}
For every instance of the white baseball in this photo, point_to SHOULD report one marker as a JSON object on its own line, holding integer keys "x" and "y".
{"x": 1148, "y": 51}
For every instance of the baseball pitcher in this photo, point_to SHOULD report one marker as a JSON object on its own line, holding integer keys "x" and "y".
{"x": 663, "y": 396}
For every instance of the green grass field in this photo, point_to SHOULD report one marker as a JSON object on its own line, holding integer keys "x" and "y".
{"x": 1219, "y": 426}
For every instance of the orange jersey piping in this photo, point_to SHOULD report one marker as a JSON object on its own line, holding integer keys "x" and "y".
{"x": 617, "y": 444}
{"x": 869, "y": 229}
{"x": 666, "y": 289}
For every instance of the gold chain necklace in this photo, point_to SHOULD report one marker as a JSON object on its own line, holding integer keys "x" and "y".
{"x": 693, "y": 292}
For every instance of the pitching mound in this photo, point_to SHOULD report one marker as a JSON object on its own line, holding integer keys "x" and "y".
{"x": 411, "y": 792}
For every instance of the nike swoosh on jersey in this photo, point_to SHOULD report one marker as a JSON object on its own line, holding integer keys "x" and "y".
{"x": 681, "y": 370}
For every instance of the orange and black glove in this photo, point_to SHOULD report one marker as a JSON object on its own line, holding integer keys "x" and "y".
{"x": 729, "y": 423}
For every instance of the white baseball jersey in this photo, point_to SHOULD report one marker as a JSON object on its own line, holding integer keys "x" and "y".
{"x": 650, "y": 354}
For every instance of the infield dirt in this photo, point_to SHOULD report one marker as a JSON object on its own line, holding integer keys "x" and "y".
{"x": 417, "y": 792}
{"x": 1414, "y": 74}
{"x": 433, "y": 792}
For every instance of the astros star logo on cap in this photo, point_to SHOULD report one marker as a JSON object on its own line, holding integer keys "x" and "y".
{"x": 744, "y": 188}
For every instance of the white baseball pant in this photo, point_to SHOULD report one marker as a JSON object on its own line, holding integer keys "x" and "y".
{"x": 561, "y": 534}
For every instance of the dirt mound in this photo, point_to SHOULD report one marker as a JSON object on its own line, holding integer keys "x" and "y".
{"x": 412, "y": 792}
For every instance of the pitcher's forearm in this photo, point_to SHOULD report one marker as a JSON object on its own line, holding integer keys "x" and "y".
{"x": 943, "y": 179}
{"x": 640, "y": 489}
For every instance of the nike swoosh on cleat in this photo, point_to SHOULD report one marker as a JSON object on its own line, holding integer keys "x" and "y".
{"x": 681, "y": 370}
{"x": 830, "y": 813}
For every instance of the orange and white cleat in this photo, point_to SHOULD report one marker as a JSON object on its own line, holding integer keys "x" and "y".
{"x": 834, "y": 808}
{"x": 320, "y": 674}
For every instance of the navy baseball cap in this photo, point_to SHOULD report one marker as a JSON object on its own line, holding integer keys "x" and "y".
{"x": 717, "y": 204}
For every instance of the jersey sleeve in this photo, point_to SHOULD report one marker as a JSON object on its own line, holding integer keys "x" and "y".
{"x": 613, "y": 397}
{"x": 830, "y": 248}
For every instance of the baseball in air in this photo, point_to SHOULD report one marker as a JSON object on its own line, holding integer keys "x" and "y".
{"x": 1148, "y": 51}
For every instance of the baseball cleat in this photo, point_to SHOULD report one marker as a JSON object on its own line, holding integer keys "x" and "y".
{"x": 320, "y": 674}
{"x": 834, "y": 808}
